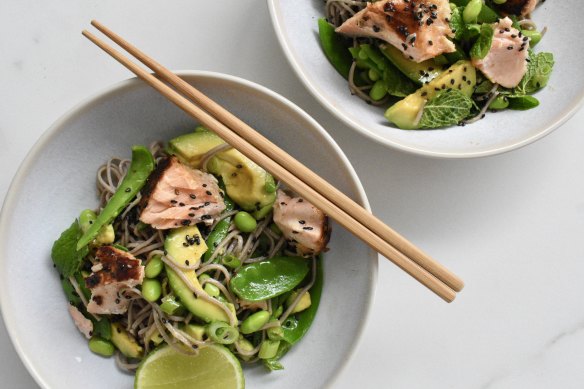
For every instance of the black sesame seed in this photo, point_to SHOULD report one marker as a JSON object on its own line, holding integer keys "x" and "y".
{"x": 209, "y": 192}
{"x": 128, "y": 190}
{"x": 192, "y": 196}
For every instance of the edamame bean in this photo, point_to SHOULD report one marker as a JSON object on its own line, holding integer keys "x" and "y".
{"x": 212, "y": 290}
{"x": 373, "y": 75}
{"x": 244, "y": 222}
{"x": 151, "y": 290}
{"x": 378, "y": 91}
{"x": 254, "y": 322}
{"x": 533, "y": 35}
{"x": 500, "y": 102}
{"x": 154, "y": 267}
{"x": 101, "y": 346}
{"x": 472, "y": 11}
{"x": 268, "y": 349}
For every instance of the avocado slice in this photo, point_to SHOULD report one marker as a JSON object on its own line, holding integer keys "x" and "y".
{"x": 420, "y": 73}
{"x": 190, "y": 148}
{"x": 125, "y": 342}
{"x": 247, "y": 184}
{"x": 406, "y": 113}
{"x": 180, "y": 253}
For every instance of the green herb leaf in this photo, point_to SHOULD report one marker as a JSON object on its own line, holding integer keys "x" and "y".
{"x": 539, "y": 69}
{"x": 522, "y": 103}
{"x": 445, "y": 109}
{"x": 457, "y": 23}
{"x": 481, "y": 47}
{"x": 484, "y": 87}
{"x": 64, "y": 253}
{"x": 396, "y": 83}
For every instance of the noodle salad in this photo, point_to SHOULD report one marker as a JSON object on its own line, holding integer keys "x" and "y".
{"x": 435, "y": 63}
{"x": 192, "y": 245}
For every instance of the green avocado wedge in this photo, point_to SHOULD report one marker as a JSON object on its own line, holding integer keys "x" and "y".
{"x": 140, "y": 168}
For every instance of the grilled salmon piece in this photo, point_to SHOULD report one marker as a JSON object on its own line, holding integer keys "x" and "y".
{"x": 301, "y": 223}
{"x": 420, "y": 29}
{"x": 177, "y": 195}
{"x": 116, "y": 271}
{"x": 517, "y": 7}
{"x": 506, "y": 62}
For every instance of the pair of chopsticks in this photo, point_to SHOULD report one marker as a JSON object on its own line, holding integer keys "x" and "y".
{"x": 295, "y": 175}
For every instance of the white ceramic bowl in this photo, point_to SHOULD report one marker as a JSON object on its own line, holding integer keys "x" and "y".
{"x": 57, "y": 181}
{"x": 295, "y": 23}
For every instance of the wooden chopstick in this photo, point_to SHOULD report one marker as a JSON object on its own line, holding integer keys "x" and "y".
{"x": 438, "y": 279}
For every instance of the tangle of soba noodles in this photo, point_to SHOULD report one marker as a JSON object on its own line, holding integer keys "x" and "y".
{"x": 145, "y": 319}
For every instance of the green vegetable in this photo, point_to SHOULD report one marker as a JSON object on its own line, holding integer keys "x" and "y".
{"x": 457, "y": 23}
{"x": 275, "y": 333}
{"x": 244, "y": 222}
{"x": 273, "y": 363}
{"x": 231, "y": 261}
{"x": 222, "y": 333}
{"x": 86, "y": 219}
{"x": 487, "y": 15}
{"x": 500, "y": 102}
{"x": 498, "y": 2}
{"x": 101, "y": 346}
{"x": 533, "y": 35}
{"x": 66, "y": 253}
{"x": 170, "y": 306}
{"x": 481, "y": 47}
{"x": 378, "y": 91}
{"x": 297, "y": 326}
{"x": 151, "y": 289}
{"x": 334, "y": 48}
{"x": 140, "y": 168}
{"x": 154, "y": 267}
{"x": 101, "y": 328}
{"x": 445, "y": 109}
{"x": 268, "y": 349}
{"x": 221, "y": 228}
{"x": 269, "y": 278}
{"x": 472, "y": 11}
{"x": 212, "y": 290}
{"x": 522, "y": 103}
{"x": 538, "y": 73}
{"x": 254, "y": 322}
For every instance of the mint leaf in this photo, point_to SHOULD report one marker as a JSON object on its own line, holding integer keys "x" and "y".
{"x": 446, "y": 109}
{"x": 481, "y": 47}
{"x": 542, "y": 64}
{"x": 457, "y": 23}
{"x": 64, "y": 252}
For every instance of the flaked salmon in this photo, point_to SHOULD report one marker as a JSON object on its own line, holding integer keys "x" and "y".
{"x": 506, "y": 62}
{"x": 302, "y": 224}
{"x": 420, "y": 29}
{"x": 517, "y": 7}
{"x": 115, "y": 271}
{"x": 84, "y": 325}
{"x": 177, "y": 195}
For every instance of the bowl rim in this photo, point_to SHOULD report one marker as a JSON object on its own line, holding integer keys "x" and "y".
{"x": 119, "y": 87}
{"x": 277, "y": 16}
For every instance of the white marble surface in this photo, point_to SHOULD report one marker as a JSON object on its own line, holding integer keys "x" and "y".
{"x": 511, "y": 225}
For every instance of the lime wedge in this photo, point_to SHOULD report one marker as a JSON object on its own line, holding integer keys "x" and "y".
{"x": 214, "y": 367}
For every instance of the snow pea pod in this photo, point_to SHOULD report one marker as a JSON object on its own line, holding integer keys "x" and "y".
{"x": 140, "y": 168}
{"x": 334, "y": 48}
{"x": 269, "y": 278}
{"x": 295, "y": 328}
{"x": 220, "y": 231}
